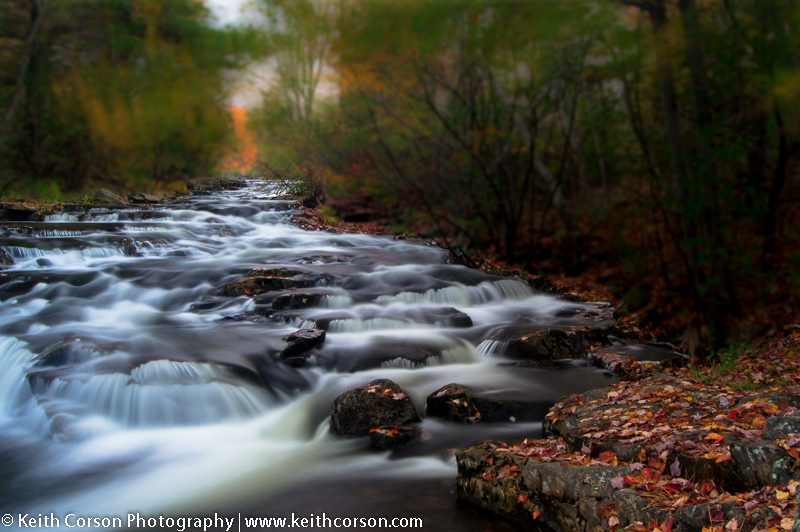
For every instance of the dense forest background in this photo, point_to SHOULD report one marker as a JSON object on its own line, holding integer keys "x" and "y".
{"x": 648, "y": 145}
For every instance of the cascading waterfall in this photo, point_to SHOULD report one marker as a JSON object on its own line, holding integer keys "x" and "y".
{"x": 121, "y": 352}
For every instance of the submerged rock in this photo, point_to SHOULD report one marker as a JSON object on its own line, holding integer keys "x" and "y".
{"x": 381, "y": 402}
{"x": 301, "y": 341}
{"x": 296, "y": 301}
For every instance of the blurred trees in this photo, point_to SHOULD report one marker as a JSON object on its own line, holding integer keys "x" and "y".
{"x": 653, "y": 143}
{"x": 130, "y": 92}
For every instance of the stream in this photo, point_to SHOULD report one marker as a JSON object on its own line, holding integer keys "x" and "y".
{"x": 165, "y": 396}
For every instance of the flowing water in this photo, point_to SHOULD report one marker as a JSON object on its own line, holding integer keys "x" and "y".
{"x": 167, "y": 396}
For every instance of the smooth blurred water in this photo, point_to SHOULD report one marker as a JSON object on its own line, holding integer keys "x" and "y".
{"x": 164, "y": 407}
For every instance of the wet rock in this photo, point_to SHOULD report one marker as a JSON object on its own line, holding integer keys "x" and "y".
{"x": 453, "y": 402}
{"x": 542, "y": 346}
{"x": 296, "y": 301}
{"x": 301, "y": 341}
{"x": 456, "y": 403}
{"x": 390, "y": 436}
{"x": 263, "y": 310}
{"x": 584, "y": 338}
{"x": 448, "y": 317}
{"x": 15, "y": 212}
{"x": 106, "y": 196}
{"x": 780, "y": 427}
{"x": 5, "y": 258}
{"x": 295, "y": 362}
{"x": 569, "y": 312}
{"x": 260, "y": 285}
{"x": 321, "y": 259}
{"x": 44, "y": 263}
{"x": 274, "y": 272}
{"x": 381, "y": 402}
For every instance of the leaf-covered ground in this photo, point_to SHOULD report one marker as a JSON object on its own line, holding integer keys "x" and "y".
{"x": 696, "y": 412}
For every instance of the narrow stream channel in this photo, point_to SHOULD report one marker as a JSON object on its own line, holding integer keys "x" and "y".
{"x": 167, "y": 396}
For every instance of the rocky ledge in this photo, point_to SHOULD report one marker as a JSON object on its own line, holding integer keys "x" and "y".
{"x": 666, "y": 453}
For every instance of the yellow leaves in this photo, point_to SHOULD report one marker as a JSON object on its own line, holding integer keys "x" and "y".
{"x": 781, "y": 495}
{"x": 770, "y": 408}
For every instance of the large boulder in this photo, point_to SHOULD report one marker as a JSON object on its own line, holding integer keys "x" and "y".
{"x": 381, "y": 402}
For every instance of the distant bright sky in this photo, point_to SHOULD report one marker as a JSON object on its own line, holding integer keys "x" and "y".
{"x": 227, "y": 11}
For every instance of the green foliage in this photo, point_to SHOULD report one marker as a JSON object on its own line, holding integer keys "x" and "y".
{"x": 125, "y": 92}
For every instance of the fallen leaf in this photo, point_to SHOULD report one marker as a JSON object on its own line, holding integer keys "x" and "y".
{"x": 675, "y": 468}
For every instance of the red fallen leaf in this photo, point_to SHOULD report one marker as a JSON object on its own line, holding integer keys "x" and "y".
{"x": 488, "y": 476}
{"x": 654, "y": 462}
{"x": 536, "y": 514}
{"x": 675, "y": 468}
{"x": 490, "y": 460}
{"x": 522, "y": 498}
{"x": 648, "y": 474}
{"x": 666, "y": 526}
{"x": 713, "y": 436}
{"x": 716, "y": 516}
{"x": 733, "y": 414}
{"x": 607, "y": 457}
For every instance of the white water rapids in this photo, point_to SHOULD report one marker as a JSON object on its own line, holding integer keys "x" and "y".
{"x": 157, "y": 405}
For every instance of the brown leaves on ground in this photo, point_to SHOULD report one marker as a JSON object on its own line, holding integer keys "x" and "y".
{"x": 686, "y": 412}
